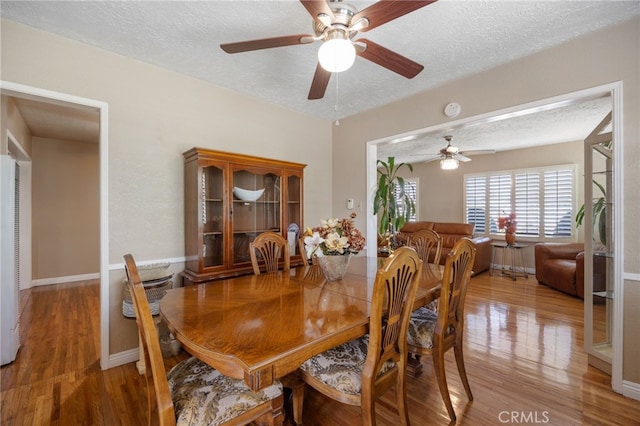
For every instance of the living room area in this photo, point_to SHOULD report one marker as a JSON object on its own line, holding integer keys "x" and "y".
{"x": 522, "y": 336}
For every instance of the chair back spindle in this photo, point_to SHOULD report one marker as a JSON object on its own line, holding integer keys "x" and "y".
{"x": 271, "y": 248}
{"x": 428, "y": 244}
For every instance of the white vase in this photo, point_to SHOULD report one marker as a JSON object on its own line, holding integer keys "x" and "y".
{"x": 334, "y": 267}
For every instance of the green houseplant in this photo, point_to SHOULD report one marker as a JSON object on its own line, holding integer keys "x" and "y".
{"x": 599, "y": 211}
{"x": 392, "y": 204}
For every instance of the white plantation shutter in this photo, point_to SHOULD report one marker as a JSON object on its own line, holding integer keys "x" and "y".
{"x": 500, "y": 203}
{"x": 558, "y": 203}
{"x": 476, "y": 202}
{"x": 527, "y": 202}
{"x": 411, "y": 189}
{"x": 542, "y": 199}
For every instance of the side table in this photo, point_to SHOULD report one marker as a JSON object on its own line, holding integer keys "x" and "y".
{"x": 510, "y": 251}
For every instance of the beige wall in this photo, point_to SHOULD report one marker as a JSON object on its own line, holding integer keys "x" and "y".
{"x": 12, "y": 120}
{"x": 66, "y": 208}
{"x": 154, "y": 116}
{"x": 599, "y": 58}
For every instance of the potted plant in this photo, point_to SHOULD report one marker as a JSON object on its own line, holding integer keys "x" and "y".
{"x": 391, "y": 203}
{"x": 599, "y": 215}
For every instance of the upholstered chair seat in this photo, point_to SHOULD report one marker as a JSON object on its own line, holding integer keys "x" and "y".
{"x": 341, "y": 367}
{"x": 421, "y": 327}
{"x": 203, "y": 396}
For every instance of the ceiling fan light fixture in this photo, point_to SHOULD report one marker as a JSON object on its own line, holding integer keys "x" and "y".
{"x": 448, "y": 163}
{"x": 337, "y": 54}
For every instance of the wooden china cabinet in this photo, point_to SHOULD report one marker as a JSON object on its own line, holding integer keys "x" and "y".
{"x": 229, "y": 200}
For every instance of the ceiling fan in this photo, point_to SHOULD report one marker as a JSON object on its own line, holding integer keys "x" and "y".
{"x": 451, "y": 155}
{"x": 336, "y": 24}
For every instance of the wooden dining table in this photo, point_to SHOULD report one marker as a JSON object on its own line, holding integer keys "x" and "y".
{"x": 260, "y": 328}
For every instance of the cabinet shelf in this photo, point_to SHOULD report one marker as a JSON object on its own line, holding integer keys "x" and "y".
{"x": 218, "y": 226}
{"x": 254, "y": 232}
{"x": 603, "y": 254}
{"x": 256, "y": 202}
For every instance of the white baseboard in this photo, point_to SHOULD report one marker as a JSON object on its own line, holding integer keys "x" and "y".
{"x": 121, "y": 358}
{"x": 631, "y": 390}
{"x": 118, "y": 266}
{"x": 68, "y": 279}
{"x": 631, "y": 277}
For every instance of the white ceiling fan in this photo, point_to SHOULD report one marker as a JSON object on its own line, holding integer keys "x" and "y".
{"x": 450, "y": 156}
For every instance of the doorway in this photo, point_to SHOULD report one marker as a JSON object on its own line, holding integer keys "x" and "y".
{"x": 100, "y": 109}
{"x": 614, "y": 90}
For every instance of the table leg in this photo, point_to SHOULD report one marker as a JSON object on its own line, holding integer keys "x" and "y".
{"x": 513, "y": 263}
{"x": 294, "y": 382}
{"x": 524, "y": 264}
{"x": 493, "y": 261}
{"x": 414, "y": 366}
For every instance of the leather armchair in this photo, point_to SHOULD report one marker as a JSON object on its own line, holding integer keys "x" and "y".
{"x": 557, "y": 267}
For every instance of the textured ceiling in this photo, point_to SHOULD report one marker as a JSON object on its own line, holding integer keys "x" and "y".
{"x": 452, "y": 39}
{"x": 549, "y": 124}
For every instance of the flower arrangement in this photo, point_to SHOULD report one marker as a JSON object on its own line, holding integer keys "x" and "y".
{"x": 334, "y": 237}
{"x": 508, "y": 223}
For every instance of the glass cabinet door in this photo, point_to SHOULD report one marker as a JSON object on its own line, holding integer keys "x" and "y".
{"x": 212, "y": 216}
{"x": 293, "y": 211}
{"x": 255, "y": 208}
{"x": 599, "y": 243}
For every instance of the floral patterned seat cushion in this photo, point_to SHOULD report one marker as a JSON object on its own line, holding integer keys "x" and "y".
{"x": 421, "y": 326}
{"x": 341, "y": 367}
{"x": 203, "y": 396}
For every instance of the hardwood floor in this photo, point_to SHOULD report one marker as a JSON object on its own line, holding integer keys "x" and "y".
{"x": 524, "y": 357}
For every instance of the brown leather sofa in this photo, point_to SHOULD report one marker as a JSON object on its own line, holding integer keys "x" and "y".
{"x": 451, "y": 233}
{"x": 561, "y": 266}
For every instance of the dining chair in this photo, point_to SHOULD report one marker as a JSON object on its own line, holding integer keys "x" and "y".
{"x": 271, "y": 247}
{"x": 359, "y": 371}
{"x": 428, "y": 244}
{"x": 193, "y": 392}
{"x": 434, "y": 333}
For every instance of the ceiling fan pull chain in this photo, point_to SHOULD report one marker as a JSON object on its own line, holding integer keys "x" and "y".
{"x": 335, "y": 106}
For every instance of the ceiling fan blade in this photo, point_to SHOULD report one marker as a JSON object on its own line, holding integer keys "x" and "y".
{"x": 319, "y": 83}
{"x": 452, "y": 149}
{"x": 384, "y": 11}
{"x": 318, "y": 9}
{"x": 267, "y": 43}
{"x": 478, "y": 152}
{"x": 432, "y": 159}
{"x": 388, "y": 58}
{"x": 462, "y": 158}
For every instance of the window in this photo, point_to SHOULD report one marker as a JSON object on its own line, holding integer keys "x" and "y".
{"x": 476, "y": 195}
{"x": 410, "y": 189}
{"x": 542, "y": 199}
